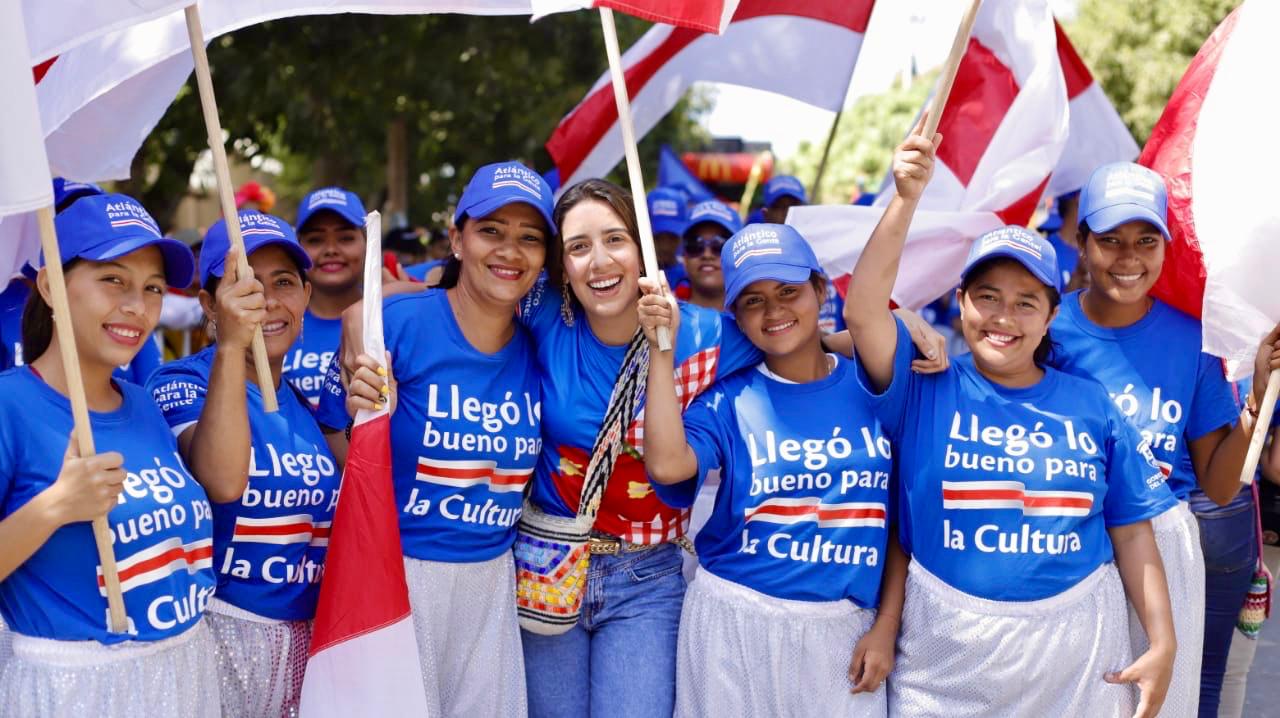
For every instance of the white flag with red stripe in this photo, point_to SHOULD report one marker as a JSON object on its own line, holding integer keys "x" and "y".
{"x": 54, "y": 28}
{"x": 770, "y": 45}
{"x": 1004, "y": 129}
{"x": 701, "y": 15}
{"x": 364, "y": 654}
{"x": 25, "y": 184}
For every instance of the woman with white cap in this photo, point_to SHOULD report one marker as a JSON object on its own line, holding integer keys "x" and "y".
{"x": 1025, "y": 498}
{"x": 271, "y": 479}
{"x": 793, "y": 554}
{"x": 65, "y": 659}
{"x": 465, "y": 435}
{"x": 1148, "y": 357}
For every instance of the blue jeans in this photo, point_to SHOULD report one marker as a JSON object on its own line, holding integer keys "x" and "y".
{"x": 619, "y": 661}
{"x": 1230, "y": 554}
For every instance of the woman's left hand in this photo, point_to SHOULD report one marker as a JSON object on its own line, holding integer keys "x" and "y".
{"x": 1152, "y": 673}
{"x": 930, "y": 343}
{"x": 657, "y": 308}
{"x": 1266, "y": 361}
{"x": 873, "y": 658}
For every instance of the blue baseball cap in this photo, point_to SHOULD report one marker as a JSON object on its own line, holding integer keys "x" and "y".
{"x": 65, "y": 191}
{"x": 765, "y": 251}
{"x": 258, "y": 230}
{"x": 108, "y": 226}
{"x": 498, "y": 185}
{"x": 668, "y": 211}
{"x": 1053, "y": 222}
{"x": 1021, "y": 245}
{"x": 342, "y": 202}
{"x": 1124, "y": 192}
{"x": 783, "y": 186}
{"x": 715, "y": 212}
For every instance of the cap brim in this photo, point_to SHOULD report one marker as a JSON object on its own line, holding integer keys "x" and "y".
{"x": 219, "y": 267}
{"x": 774, "y": 197}
{"x": 1108, "y": 218}
{"x": 480, "y": 210}
{"x": 709, "y": 220}
{"x": 785, "y": 273}
{"x": 179, "y": 262}
{"x": 1051, "y": 224}
{"x": 342, "y": 211}
{"x": 1020, "y": 258}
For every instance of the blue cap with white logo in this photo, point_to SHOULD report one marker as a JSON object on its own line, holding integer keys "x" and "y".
{"x": 1021, "y": 245}
{"x": 342, "y": 202}
{"x": 1124, "y": 192}
{"x": 65, "y": 191}
{"x": 500, "y": 184}
{"x": 783, "y": 186}
{"x": 765, "y": 251}
{"x": 258, "y": 230}
{"x": 668, "y": 211}
{"x": 104, "y": 227}
{"x": 715, "y": 212}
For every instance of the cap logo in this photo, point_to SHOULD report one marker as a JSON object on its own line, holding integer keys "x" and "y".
{"x": 329, "y": 195}
{"x": 756, "y": 243}
{"x": 1012, "y": 239}
{"x": 665, "y": 208}
{"x": 517, "y": 177}
{"x": 1132, "y": 184}
{"x": 124, "y": 215}
{"x": 713, "y": 208}
{"x": 260, "y": 225}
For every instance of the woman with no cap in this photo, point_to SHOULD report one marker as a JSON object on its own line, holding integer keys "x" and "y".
{"x": 271, "y": 478}
{"x": 65, "y": 661}
{"x": 1148, "y": 357}
{"x": 798, "y": 567}
{"x": 465, "y": 426}
{"x": 1026, "y": 500}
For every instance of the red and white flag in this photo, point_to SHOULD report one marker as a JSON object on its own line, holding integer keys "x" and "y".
{"x": 364, "y": 654}
{"x": 54, "y": 28}
{"x": 1004, "y": 129}
{"x": 701, "y": 15}
{"x": 1211, "y": 148}
{"x": 769, "y": 45}
{"x": 25, "y": 184}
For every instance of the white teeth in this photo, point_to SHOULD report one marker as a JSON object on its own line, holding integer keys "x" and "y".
{"x": 1000, "y": 338}
{"x": 1127, "y": 277}
{"x": 272, "y": 326}
{"x": 780, "y": 327}
{"x": 504, "y": 272}
{"x": 128, "y": 333}
{"x": 604, "y": 283}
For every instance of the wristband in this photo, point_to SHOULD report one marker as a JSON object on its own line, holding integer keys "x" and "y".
{"x": 350, "y": 425}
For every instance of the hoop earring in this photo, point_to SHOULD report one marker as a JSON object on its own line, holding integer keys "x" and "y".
{"x": 566, "y": 305}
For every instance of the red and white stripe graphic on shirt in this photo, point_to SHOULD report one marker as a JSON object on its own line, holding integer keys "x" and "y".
{"x": 693, "y": 376}
{"x": 295, "y": 528}
{"x": 1014, "y": 495}
{"x": 468, "y": 473}
{"x": 659, "y": 529}
{"x": 160, "y": 561}
{"x": 810, "y": 508}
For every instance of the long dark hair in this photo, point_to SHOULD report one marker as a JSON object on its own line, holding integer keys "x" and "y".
{"x": 37, "y": 320}
{"x": 1045, "y": 349}
{"x": 597, "y": 190}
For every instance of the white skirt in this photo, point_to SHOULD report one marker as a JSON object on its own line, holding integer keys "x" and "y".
{"x": 173, "y": 677}
{"x": 464, "y": 615}
{"x": 960, "y": 655}
{"x": 260, "y": 661}
{"x": 6, "y": 644}
{"x": 1178, "y": 538}
{"x": 743, "y": 653}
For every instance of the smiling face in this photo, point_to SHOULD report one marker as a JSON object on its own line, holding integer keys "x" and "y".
{"x": 336, "y": 248}
{"x": 779, "y": 318}
{"x": 1124, "y": 262}
{"x": 702, "y": 247}
{"x": 501, "y": 253}
{"x": 287, "y": 295}
{"x": 115, "y": 305}
{"x": 1004, "y": 313}
{"x": 601, "y": 260}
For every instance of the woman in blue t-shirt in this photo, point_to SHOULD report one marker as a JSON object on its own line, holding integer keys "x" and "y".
{"x": 465, "y": 434}
{"x": 1026, "y": 498}
{"x": 65, "y": 660}
{"x": 271, "y": 479}
{"x": 1148, "y": 357}
{"x": 793, "y": 553}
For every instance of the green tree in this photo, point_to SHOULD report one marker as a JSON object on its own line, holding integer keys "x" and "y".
{"x": 1138, "y": 50}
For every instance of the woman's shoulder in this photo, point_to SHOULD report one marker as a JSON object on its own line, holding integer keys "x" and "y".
{"x": 192, "y": 368}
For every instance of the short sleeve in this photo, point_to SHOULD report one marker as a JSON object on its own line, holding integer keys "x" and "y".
{"x": 180, "y": 393}
{"x": 540, "y": 308}
{"x": 891, "y": 405}
{"x": 331, "y": 411}
{"x": 736, "y": 350}
{"x": 1136, "y": 488}
{"x": 703, "y": 432}
{"x": 1212, "y": 406}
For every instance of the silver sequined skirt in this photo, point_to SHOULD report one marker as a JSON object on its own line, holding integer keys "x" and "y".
{"x": 260, "y": 662}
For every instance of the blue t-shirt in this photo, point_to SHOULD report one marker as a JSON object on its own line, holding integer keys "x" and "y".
{"x": 12, "y": 302}
{"x": 831, "y": 313}
{"x": 269, "y": 546}
{"x": 161, "y": 528}
{"x": 802, "y": 510}
{"x": 1154, "y": 370}
{"x": 420, "y": 271}
{"x": 676, "y": 274}
{"x": 308, "y": 359}
{"x": 578, "y": 375}
{"x": 1007, "y": 493}
{"x": 465, "y": 435}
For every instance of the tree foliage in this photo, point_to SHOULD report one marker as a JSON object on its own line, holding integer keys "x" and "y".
{"x": 318, "y": 92}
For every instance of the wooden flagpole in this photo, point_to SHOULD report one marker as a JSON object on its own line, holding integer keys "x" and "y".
{"x": 226, "y": 194}
{"x": 814, "y": 195}
{"x": 117, "y": 620}
{"x": 949, "y": 70}
{"x": 1261, "y": 427}
{"x": 753, "y": 181}
{"x": 647, "y": 250}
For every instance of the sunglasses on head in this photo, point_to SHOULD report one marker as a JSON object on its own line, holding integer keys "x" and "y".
{"x": 695, "y": 246}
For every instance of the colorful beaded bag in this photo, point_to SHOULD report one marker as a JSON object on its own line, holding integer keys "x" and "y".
{"x": 551, "y": 551}
{"x": 1257, "y": 603}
